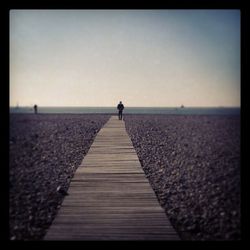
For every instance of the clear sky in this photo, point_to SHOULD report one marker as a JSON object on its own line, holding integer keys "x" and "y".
{"x": 142, "y": 57}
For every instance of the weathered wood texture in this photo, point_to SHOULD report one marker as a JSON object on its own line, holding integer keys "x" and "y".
{"x": 109, "y": 195}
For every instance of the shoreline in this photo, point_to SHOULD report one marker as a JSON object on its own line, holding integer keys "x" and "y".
{"x": 131, "y": 110}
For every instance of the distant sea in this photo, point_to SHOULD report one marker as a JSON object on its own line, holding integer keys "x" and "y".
{"x": 130, "y": 110}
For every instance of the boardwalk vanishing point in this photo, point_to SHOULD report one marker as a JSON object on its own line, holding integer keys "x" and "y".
{"x": 109, "y": 196}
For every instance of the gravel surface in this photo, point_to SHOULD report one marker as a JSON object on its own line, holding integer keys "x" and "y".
{"x": 45, "y": 150}
{"x": 193, "y": 165}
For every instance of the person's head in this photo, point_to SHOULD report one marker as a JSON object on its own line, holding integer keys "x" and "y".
{"x": 120, "y": 102}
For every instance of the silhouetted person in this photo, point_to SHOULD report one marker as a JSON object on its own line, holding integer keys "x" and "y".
{"x": 35, "y": 109}
{"x": 120, "y": 107}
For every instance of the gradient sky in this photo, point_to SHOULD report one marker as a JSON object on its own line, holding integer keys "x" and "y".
{"x": 142, "y": 57}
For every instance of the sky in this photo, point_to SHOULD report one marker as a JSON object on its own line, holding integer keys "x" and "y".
{"x": 158, "y": 58}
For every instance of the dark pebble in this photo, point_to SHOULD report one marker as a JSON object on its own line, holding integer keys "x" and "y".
{"x": 38, "y": 168}
{"x": 200, "y": 184}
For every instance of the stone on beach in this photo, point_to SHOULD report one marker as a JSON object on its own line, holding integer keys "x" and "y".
{"x": 193, "y": 164}
{"x": 45, "y": 151}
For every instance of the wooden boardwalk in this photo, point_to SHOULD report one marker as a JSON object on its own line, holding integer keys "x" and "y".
{"x": 109, "y": 195}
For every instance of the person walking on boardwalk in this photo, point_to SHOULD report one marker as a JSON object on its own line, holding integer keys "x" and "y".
{"x": 120, "y": 107}
{"x": 35, "y": 109}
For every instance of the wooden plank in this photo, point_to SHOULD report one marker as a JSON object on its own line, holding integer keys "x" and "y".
{"x": 109, "y": 196}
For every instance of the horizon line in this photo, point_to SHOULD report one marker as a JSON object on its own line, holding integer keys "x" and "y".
{"x": 220, "y": 106}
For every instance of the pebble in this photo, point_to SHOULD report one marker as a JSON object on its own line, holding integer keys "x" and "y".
{"x": 37, "y": 168}
{"x": 192, "y": 157}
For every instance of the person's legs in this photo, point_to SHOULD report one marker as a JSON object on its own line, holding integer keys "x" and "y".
{"x": 120, "y": 115}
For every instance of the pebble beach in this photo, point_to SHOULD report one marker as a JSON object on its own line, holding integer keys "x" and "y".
{"x": 45, "y": 151}
{"x": 192, "y": 163}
